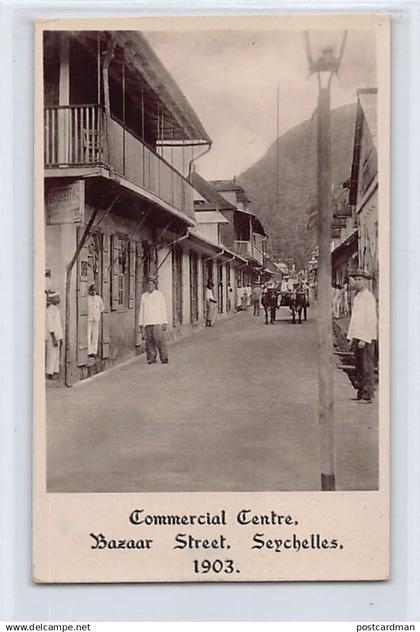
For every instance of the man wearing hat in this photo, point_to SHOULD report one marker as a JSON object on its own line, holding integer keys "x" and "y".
{"x": 53, "y": 335}
{"x": 153, "y": 323}
{"x": 362, "y": 332}
{"x": 95, "y": 307}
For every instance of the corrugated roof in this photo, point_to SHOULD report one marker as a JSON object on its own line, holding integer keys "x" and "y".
{"x": 368, "y": 102}
{"x": 350, "y": 241}
{"x": 210, "y": 217}
{"x": 220, "y": 248}
{"x": 148, "y": 64}
{"x": 231, "y": 185}
{"x": 366, "y": 111}
{"x": 216, "y": 201}
{"x": 209, "y": 193}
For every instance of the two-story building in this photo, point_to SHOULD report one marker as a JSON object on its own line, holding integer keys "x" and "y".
{"x": 344, "y": 237}
{"x": 244, "y": 233}
{"x": 119, "y": 138}
{"x": 363, "y": 195}
{"x": 354, "y": 230}
{"x": 211, "y": 209}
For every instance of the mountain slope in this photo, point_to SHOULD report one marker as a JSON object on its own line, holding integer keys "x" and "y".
{"x": 286, "y": 220}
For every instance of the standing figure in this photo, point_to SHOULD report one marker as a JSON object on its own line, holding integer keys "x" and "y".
{"x": 239, "y": 294}
{"x": 345, "y": 299}
{"x": 361, "y": 333}
{"x": 95, "y": 307}
{"x": 336, "y": 300}
{"x": 245, "y": 297}
{"x": 249, "y": 294}
{"x": 210, "y": 304}
{"x": 256, "y": 299}
{"x": 283, "y": 291}
{"x": 229, "y": 298}
{"x": 153, "y": 323}
{"x": 53, "y": 336}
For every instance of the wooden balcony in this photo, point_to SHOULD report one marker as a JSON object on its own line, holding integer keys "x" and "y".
{"x": 77, "y": 136}
{"x": 243, "y": 248}
{"x": 246, "y": 249}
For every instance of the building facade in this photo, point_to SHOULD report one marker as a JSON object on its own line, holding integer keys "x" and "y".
{"x": 120, "y": 139}
{"x": 364, "y": 183}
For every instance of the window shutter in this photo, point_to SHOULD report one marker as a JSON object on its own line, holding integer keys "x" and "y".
{"x": 82, "y": 291}
{"x": 105, "y": 338}
{"x": 132, "y": 273}
{"x": 177, "y": 285}
{"x": 115, "y": 251}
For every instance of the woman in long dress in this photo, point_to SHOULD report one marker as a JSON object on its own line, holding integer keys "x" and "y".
{"x": 210, "y": 304}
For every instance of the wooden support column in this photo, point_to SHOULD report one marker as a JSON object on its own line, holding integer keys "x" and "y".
{"x": 108, "y": 55}
{"x": 63, "y": 118}
{"x": 325, "y": 354}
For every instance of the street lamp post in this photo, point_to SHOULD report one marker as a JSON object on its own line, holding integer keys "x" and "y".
{"x": 325, "y": 67}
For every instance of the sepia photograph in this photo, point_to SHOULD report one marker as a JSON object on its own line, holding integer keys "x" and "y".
{"x": 211, "y": 260}
{"x": 211, "y": 299}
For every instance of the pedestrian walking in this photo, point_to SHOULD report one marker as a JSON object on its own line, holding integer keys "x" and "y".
{"x": 153, "y": 323}
{"x": 95, "y": 307}
{"x": 210, "y": 304}
{"x": 53, "y": 335}
{"x": 361, "y": 333}
{"x": 256, "y": 299}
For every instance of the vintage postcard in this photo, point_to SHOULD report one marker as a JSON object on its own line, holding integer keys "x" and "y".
{"x": 211, "y": 308}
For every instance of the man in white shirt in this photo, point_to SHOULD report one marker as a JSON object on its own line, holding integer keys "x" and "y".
{"x": 249, "y": 294}
{"x": 95, "y": 307}
{"x": 53, "y": 336}
{"x": 239, "y": 295}
{"x": 153, "y": 323}
{"x": 291, "y": 284}
{"x": 210, "y": 304}
{"x": 362, "y": 332}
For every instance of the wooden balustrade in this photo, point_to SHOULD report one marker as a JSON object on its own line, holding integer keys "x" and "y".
{"x": 83, "y": 135}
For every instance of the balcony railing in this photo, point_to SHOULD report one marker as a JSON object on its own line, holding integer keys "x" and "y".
{"x": 245, "y": 249}
{"x": 83, "y": 135}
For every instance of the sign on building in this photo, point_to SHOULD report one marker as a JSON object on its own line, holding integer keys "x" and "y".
{"x": 64, "y": 203}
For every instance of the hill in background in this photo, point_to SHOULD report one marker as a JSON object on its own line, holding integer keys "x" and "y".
{"x": 286, "y": 219}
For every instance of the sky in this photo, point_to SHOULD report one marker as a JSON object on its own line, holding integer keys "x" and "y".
{"x": 231, "y": 79}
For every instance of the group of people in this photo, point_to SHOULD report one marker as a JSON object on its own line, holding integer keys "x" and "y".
{"x": 153, "y": 323}
{"x": 54, "y": 329}
{"x": 243, "y": 297}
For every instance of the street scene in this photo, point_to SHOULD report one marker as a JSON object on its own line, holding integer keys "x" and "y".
{"x": 211, "y": 271}
{"x": 142, "y": 429}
